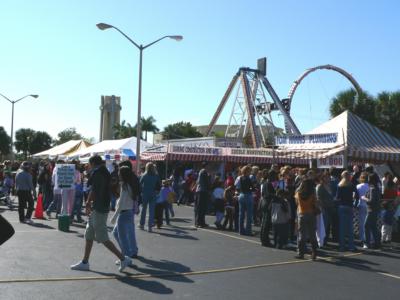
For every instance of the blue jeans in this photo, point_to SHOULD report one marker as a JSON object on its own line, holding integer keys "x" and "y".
{"x": 77, "y": 210}
{"x": 371, "y": 226}
{"x": 113, "y": 201}
{"x": 346, "y": 227}
{"x": 362, "y": 215}
{"x": 124, "y": 233}
{"x": 245, "y": 209}
{"x": 151, "y": 202}
{"x": 55, "y": 204}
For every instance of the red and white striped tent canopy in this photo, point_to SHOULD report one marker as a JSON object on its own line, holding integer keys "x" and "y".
{"x": 356, "y": 138}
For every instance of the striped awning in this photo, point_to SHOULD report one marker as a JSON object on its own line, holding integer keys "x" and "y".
{"x": 369, "y": 143}
{"x": 357, "y": 139}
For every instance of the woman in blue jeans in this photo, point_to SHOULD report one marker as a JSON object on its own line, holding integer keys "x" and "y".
{"x": 150, "y": 186}
{"x": 345, "y": 196}
{"x": 245, "y": 186}
{"x": 373, "y": 199}
{"x": 123, "y": 218}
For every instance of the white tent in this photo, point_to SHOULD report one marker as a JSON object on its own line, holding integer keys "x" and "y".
{"x": 68, "y": 148}
{"x": 354, "y": 137}
{"x": 122, "y": 147}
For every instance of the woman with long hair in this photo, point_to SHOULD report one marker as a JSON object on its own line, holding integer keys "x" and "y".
{"x": 373, "y": 198}
{"x": 267, "y": 195}
{"x": 307, "y": 210}
{"x": 150, "y": 184}
{"x": 245, "y": 186}
{"x": 123, "y": 218}
{"x": 362, "y": 188}
{"x": 325, "y": 199}
{"x": 345, "y": 196}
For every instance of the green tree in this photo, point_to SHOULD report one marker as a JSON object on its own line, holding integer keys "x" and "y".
{"x": 29, "y": 141}
{"x": 5, "y": 143}
{"x": 124, "y": 130}
{"x": 387, "y": 112}
{"x": 180, "y": 130}
{"x": 148, "y": 125}
{"x": 23, "y": 140}
{"x": 41, "y": 141}
{"x": 362, "y": 105}
{"x": 67, "y": 135}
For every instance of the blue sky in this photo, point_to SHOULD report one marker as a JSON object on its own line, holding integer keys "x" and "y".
{"x": 54, "y": 49}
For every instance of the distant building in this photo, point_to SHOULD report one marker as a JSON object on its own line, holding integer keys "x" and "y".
{"x": 110, "y": 110}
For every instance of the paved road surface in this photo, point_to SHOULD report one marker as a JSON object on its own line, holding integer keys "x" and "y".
{"x": 181, "y": 262}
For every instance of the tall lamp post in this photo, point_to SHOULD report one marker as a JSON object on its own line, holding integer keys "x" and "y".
{"x": 103, "y": 26}
{"x": 12, "y": 118}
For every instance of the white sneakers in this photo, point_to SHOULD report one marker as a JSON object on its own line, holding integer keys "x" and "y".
{"x": 125, "y": 263}
{"x": 81, "y": 266}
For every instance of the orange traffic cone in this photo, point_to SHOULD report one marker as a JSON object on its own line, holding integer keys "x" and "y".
{"x": 39, "y": 208}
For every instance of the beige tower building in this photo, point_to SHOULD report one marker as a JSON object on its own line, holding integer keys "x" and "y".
{"x": 110, "y": 110}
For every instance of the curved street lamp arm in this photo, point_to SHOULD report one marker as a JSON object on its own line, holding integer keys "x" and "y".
{"x": 21, "y": 98}
{"x": 156, "y": 41}
{"x": 129, "y": 39}
{"x": 6, "y": 98}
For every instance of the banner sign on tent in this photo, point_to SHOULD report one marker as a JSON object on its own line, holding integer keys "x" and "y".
{"x": 65, "y": 176}
{"x": 249, "y": 152}
{"x": 336, "y": 161}
{"x": 324, "y": 138}
{"x": 195, "y": 150}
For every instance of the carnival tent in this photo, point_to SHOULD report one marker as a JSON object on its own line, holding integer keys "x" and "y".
{"x": 348, "y": 135}
{"x": 123, "y": 147}
{"x": 65, "y": 149}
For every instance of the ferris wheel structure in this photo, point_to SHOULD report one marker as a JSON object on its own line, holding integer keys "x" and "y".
{"x": 307, "y": 72}
{"x": 255, "y": 100}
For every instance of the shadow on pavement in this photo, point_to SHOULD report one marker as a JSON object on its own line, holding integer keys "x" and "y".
{"x": 143, "y": 284}
{"x": 41, "y": 225}
{"x": 147, "y": 285}
{"x": 384, "y": 253}
{"x": 165, "y": 269}
{"x": 354, "y": 263}
{"x": 181, "y": 220}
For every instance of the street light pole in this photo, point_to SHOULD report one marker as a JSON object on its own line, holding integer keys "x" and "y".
{"x": 139, "y": 114}
{"x": 104, "y": 26}
{"x": 12, "y": 118}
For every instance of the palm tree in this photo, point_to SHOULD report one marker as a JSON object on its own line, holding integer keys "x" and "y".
{"x": 362, "y": 105}
{"x": 124, "y": 130}
{"x": 148, "y": 125}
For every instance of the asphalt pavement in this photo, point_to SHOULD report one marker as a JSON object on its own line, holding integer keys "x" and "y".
{"x": 182, "y": 262}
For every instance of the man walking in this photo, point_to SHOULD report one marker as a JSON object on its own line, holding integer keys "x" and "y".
{"x": 24, "y": 187}
{"x": 97, "y": 208}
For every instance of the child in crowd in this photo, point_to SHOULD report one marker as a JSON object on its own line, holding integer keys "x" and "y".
{"x": 387, "y": 221}
{"x": 218, "y": 194}
{"x": 280, "y": 217}
{"x": 7, "y": 186}
{"x": 161, "y": 202}
{"x": 229, "y": 201}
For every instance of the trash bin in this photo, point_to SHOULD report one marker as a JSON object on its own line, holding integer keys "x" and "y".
{"x": 63, "y": 223}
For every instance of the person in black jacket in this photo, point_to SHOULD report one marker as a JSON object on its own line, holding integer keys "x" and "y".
{"x": 267, "y": 194}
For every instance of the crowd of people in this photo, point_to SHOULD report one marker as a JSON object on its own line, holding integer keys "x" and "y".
{"x": 296, "y": 204}
{"x": 292, "y": 206}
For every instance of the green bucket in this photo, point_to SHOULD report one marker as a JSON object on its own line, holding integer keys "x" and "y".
{"x": 63, "y": 223}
